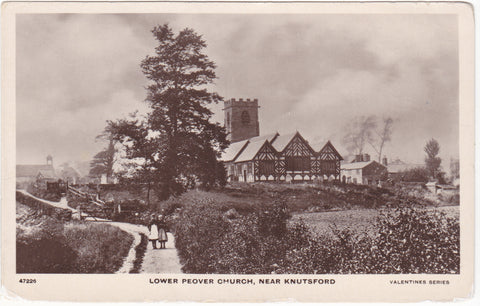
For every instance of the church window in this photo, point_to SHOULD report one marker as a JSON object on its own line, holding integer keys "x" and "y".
{"x": 245, "y": 117}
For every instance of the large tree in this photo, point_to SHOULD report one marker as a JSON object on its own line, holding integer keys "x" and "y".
{"x": 359, "y": 133}
{"x": 432, "y": 161}
{"x": 141, "y": 150}
{"x": 381, "y": 136}
{"x": 180, "y": 142}
{"x": 103, "y": 162}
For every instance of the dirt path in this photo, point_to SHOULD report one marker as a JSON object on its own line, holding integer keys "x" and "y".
{"x": 155, "y": 261}
{"x": 162, "y": 260}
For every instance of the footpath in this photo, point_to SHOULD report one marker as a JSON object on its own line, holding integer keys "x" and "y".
{"x": 154, "y": 261}
{"x": 162, "y": 260}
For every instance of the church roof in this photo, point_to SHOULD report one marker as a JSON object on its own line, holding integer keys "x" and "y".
{"x": 47, "y": 173}
{"x": 250, "y": 151}
{"x": 233, "y": 150}
{"x": 269, "y": 137}
{"x": 282, "y": 141}
{"x": 238, "y": 147}
{"x": 31, "y": 170}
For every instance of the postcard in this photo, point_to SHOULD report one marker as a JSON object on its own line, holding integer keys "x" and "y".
{"x": 238, "y": 152}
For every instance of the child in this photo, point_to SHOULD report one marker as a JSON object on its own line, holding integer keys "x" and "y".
{"x": 162, "y": 231}
{"x": 153, "y": 231}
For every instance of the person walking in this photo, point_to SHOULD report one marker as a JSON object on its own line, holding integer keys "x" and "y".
{"x": 153, "y": 231}
{"x": 162, "y": 231}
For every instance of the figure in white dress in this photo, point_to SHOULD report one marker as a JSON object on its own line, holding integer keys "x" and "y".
{"x": 153, "y": 231}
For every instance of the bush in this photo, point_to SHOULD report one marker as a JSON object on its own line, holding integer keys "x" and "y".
{"x": 100, "y": 248}
{"x": 50, "y": 246}
{"x": 407, "y": 240}
{"x": 44, "y": 193}
{"x": 45, "y": 250}
{"x": 41, "y": 208}
{"x": 418, "y": 174}
{"x": 44, "y": 255}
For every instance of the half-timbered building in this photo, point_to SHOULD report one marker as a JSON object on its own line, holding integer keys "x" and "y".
{"x": 273, "y": 157}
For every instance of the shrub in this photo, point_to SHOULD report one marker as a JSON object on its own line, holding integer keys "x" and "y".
{"x": 50, "y": 246}
{"x": 45, "y": 194}
{"x": 44, "y": 255}
{"x": 407, "y": 240}
{"x": 100, "y": 248}
{"x": 418, "y": 174}
{"x": 44, "y": 249}
{"x": 42, "y": 208}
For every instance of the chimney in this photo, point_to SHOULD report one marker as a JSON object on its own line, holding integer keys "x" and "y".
{"x": 358, "y": 158}
{"x": 384, "y": 161}
{"x": 366, "y": 157}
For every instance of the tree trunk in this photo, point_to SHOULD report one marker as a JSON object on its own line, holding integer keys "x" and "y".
{"x": 148, "y": 193}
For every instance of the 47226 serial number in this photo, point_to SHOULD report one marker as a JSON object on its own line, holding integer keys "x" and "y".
{"x": 27, "y": 281}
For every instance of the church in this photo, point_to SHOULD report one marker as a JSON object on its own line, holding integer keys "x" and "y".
{"x": 273, "y": 157}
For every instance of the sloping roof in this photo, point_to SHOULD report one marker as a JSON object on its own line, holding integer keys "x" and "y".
{"x": 329, "y": 144}
{"x": 282, "y": 141}
{"x": 69, "y": 172}
{"x": 233, "y": 150}
{"x": 269, "y": 137}
{"x": 358, "y": 165}
{"x": 236, "y": 148}
{"x": 31, "y": 170}
{"x": 250, "y": 151}
{"x": 47, "y": 173}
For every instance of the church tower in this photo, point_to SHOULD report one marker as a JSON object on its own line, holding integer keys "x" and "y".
{"x": 50, "y": 160}
{"x": 241, "y": 119}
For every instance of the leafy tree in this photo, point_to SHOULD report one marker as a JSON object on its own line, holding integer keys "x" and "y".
{"x": 432, "y": 161}
{"x": 140, "y": 149}
{"x": 104, "y": 161}
{"x": 177, "y": 142}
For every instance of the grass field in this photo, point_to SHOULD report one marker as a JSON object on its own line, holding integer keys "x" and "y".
{"x": 358, "y": 220}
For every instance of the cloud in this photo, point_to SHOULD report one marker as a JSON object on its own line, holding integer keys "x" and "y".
{"x": 310, "y": 72}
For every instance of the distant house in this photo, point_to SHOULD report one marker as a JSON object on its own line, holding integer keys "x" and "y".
{"x": 32, "y": 173}
{"x": 69, "y": 174}
{"x": 363, "y": 171}
{"x": 397, "y": 167}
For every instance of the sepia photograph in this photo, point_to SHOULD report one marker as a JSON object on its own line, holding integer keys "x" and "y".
{"x": 267, "y": 143}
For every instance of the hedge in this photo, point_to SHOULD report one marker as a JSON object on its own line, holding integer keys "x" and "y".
{"x": 44, "y": 208}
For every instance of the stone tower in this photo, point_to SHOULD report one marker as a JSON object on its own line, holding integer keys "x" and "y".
{"x": 241, "y": 119}
{"x": 49, "y": 160}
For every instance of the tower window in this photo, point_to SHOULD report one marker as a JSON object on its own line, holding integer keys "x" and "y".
{"x": 228, "y": 120}
{"x": 245, "y": 117}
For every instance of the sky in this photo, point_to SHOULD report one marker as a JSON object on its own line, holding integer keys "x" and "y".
{"x": 312, "y": 73}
